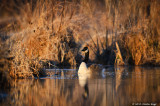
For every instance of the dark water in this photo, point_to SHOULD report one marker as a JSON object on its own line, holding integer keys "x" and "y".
{"x": 115, "y": 87}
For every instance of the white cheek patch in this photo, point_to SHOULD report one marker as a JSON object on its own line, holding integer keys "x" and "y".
{"x": 86, "y": 51}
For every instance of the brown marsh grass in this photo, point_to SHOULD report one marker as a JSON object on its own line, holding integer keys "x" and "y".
{"x": 44, "y": 34}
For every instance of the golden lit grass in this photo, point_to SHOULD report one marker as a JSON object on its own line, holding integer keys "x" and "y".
{"x": 140, "y": 49}
{"x": 50, "y": 33}
{"x": 38, "y": 39}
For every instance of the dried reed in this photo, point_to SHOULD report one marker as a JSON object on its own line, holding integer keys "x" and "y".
{"x": 45, "y": 34}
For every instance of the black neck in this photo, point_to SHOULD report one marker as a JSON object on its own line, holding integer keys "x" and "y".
{"x": 86, "y": 57}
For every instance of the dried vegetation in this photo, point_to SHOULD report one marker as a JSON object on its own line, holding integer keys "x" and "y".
{"x": 43, "y": 34}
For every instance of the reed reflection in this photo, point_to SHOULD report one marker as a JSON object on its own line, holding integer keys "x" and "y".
{"x": 119, "y": 71}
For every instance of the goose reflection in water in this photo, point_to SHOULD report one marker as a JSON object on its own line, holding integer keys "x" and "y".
{"x": 83, "y": 82}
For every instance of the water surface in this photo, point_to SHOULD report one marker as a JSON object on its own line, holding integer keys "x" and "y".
{"x": 115, "y": 87}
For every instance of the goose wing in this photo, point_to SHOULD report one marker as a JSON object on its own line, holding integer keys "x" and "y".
{"x": 95, "y": 68}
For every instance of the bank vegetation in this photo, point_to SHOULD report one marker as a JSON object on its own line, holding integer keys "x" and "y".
{"x": 39, "y": 34}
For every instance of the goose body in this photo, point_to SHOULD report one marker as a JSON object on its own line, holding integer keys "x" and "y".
{"x": 95, "y": 68}
{"x": 83, "y": 74}
{"x": 84, "y": 70}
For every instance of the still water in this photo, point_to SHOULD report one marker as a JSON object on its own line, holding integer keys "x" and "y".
{"x": 114, "y": 87}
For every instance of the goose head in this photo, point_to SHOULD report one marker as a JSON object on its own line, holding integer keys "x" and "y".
{"x": 86, "y": 51}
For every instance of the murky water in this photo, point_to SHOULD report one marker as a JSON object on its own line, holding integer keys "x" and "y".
{"x": 115, "y": 87}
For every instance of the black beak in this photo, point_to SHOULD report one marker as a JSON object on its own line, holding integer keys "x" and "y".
{"x": 84, "y": 49}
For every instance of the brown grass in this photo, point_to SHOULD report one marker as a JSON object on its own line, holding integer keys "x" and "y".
{"x": 45, "y": 34}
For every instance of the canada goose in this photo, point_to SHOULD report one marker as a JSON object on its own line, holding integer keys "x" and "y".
{"x": 83, "y": 66}
{"x": 85, "y": 72}
{"x": 94, "y": 68}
